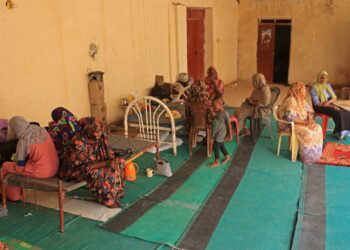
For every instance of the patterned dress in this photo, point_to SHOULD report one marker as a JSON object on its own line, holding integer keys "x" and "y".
{"x": 89, "y": 146}
{"x": 310, "y": 138}
{"x": 62, "y": 129}
{"x": 211, "y": 90}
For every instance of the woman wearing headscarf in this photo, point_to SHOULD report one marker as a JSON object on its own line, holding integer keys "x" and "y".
{"x": 198, "y": 94}
{"x": 261, "y": 96}
{"x": 214, "y": 85}
{"x": 35, "y": 154}
{"x": 294, "y": 108}
{"x": 90, "y": 158}
{"x": 323, "y": 96}
{"x": 62, "y": 128}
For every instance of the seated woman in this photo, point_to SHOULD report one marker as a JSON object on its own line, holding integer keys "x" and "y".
{"x": 198, "y": 93}
{"x": 181, "y": 86}
{"x": 261, "y": 96}
{"x": 323, "y": 97}
{"x": 62, "y": 129}
{"x": 214, "y": 85}
{"x": 161, "y": 90}
{"x": 90, "y": 158}
{"x": 35, "y": 154}
{"x": 294, "y": 108}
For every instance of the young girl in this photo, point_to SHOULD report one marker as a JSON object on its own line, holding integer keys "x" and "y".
{"x": 221, "y": 131}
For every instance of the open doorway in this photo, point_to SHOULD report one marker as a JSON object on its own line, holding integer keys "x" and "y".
{"x": 274, "y": 49}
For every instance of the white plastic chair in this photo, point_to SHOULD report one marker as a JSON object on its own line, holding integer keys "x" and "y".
{"x": 149, "y": 111}
{"x": 183, "y": 92}
{"x": 293, "y": 140}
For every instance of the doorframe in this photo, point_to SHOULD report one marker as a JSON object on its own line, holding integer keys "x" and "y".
{"x": 276, "y": 22}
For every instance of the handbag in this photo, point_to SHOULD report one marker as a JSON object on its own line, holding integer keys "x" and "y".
{"x": 163, "y": 167}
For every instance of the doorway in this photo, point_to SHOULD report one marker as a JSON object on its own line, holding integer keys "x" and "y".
{"x": 195, "y": 42}
{"x": 274, "y": 49}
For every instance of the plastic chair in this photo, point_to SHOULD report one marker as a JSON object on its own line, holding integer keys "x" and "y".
{"x": 293, "y": 141}
{"x": 233, "y": 119}
{"x": 324, "y": 123}
{"x": 197, "y": 116}
{"x": 182, "y": 92}
{"x": 257, "y": 122}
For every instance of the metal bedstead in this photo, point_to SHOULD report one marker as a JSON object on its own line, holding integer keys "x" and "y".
{"x": 149, "y": 112}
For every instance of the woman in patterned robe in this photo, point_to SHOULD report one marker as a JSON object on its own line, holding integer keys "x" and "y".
{"x": 294, "y": 108}
{"x": 90, "y": 158}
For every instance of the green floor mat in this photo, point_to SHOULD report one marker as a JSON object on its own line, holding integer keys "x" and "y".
{"x": 261, "y": 214}
{"x": 337, "y": 207}
{"x": 167, "y": 221}
{"x": 143, "y": 185}
{"x": 41, "y": 229}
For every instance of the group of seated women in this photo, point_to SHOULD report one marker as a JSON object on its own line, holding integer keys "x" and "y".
{"x": 294, "y": 108}
{"x": 74, "y": 149}
{"x": 79, "y": 149}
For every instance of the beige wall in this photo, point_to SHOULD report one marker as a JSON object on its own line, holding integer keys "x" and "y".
{"x": 45, "y": 50}
{"x": 319, "y": 38}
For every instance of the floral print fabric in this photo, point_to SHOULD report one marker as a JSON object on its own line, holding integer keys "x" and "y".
{"x": 88, "y": 147}
{"x": 309, "y": 136}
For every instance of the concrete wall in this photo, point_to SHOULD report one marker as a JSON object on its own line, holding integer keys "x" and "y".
{"x": 45, "y": 48}
{"x": 319, "y": 38}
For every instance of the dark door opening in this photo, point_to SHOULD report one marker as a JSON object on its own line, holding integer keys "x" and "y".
{"x": 195, "y": 43}
{"x": 281, "y": 57}
{"x": 274, "y": 49}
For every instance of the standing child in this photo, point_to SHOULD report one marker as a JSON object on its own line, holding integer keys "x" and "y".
{"x": 221, "y": 131}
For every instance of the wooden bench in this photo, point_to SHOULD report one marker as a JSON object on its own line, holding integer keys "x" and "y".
{"x": 49, "y": 184}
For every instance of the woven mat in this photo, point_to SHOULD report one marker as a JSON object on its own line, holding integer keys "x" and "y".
{"x": 335, "y": 154}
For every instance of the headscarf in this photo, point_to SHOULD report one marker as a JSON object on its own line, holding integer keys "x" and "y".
{"x": 62, "y": 128}
{"x": 218, "y": 82}
{"x": 259, "y": 81}
{"x": 320, "y": 88}
{"x": 89, "y": 145}
{"x": 294, "y": 92}
{"x": 198, "y": 93}
{"x": 27, "y": 135}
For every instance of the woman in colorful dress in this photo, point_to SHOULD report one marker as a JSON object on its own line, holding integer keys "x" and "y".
{"x": 294, "y": 108}
{"x": 198, "y": 93}
{"x": 261, "y": 95}
{"x": 35, "y": 154}
{"x": 62, "y": 128}
{"x": 214, "y": 85}
{"x": 90, "y": 158}
{"x": 323, "y": 98}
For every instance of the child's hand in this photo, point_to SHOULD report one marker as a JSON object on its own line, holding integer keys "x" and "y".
{"x": 228, "y": 138}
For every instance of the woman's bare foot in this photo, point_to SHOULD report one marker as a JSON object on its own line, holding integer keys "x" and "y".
{"x": 227, "y": 158}
{"x": 214, "y": 164}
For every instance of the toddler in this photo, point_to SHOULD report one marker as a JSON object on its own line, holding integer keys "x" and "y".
{"x": 221, "y": 131}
